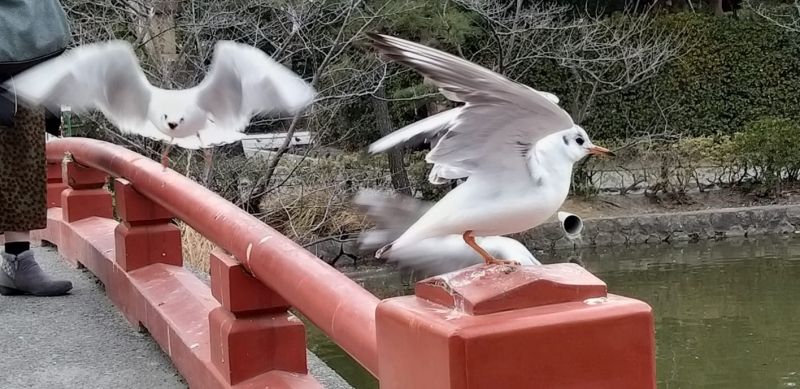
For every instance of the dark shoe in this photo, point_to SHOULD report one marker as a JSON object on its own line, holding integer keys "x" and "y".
{"x": 20, "y": 274}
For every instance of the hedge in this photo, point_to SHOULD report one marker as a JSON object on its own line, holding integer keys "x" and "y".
{"x": 733, "y": 71}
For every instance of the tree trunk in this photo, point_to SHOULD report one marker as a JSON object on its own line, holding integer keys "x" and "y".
{"x": 716, "y": 7}
{"x": 395, "y": 155}
{"x": 678, "y": 5}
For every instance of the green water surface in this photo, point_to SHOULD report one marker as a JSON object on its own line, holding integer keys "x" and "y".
{"x": 727, "y": 313}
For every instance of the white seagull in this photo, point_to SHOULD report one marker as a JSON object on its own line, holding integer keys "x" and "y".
{"x": 392, "y": 215}
{"x": 242, "y": 82}
{"x": 515, "y": 146}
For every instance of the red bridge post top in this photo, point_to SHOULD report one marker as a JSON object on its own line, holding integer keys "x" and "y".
{"x": 82, "y": 177}
{"x": 240, "y": 292}
{"x": 134, "y": 208}
{"x": 482, "y": 289}
{"x": 550, "y": 326}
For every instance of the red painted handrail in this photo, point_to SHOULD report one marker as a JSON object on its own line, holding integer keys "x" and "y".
{"x": 334, "y": 303}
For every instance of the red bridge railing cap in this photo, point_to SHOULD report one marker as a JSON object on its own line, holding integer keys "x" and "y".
{"x": 481, "y": 289}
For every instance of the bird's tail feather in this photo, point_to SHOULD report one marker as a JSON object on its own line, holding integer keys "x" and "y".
{"x": 391, "y": 215}
{"x": 379, "y": 253}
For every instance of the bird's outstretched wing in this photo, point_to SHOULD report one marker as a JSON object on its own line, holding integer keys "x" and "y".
{"x": 244, "y": 81}
{"x": 104, "y": 76}
{"x": 500, "y": 121}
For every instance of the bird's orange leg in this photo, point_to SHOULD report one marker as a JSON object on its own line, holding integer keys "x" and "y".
{"x": 469, "y": 238}
{"x": 208, "y": 155}
{"x": 165, "y": 156}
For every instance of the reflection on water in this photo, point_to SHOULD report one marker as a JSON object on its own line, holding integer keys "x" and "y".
{"x": 726, "y": 312}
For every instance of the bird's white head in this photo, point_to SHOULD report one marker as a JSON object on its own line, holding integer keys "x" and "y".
{"x": 576, "y": 144}
{"x": 171, "y": 122}
{"x": 176, "y": 117}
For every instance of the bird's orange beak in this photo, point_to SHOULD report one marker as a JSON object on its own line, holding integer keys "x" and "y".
{"x": 597, "y": 150}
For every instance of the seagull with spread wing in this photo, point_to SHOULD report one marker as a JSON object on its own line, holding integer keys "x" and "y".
{"x": 514, "y": 145}
{"x": 242, "y": 82}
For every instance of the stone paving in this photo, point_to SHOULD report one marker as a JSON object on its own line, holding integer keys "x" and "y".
{"x": 82, "y": 341}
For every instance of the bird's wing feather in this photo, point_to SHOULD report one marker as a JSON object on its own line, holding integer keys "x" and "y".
{"x": 244, "y": 81}
{"x": 213, "y": 135}
{"x": 441, "y": 174}
{"x": 501, "y": 119}
{"x": 432, "y": 129}
{"x": 427, "y": 127}
{"x": 104, "y": 76}
{"x": 549, "y": 96}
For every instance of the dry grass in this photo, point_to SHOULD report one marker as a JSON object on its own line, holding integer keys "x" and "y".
{"x": 196, "y": 248}
{"x": 313, "y": 202}
{"x": 316, "y": 201}
{"x": 306, "y": 216}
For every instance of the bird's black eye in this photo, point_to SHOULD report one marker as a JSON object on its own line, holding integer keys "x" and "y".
{"x": 181, "y": 120}
{"x": 579, "y": 141}
{"x": 165, "y": 117}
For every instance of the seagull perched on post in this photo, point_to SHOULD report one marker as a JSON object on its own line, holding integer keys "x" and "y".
{"x": 514, "y": 145}
{"x": 242, "y": 82}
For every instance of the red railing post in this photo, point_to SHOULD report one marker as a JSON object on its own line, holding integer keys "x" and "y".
{"x": 145, "y": 235}
{"x": 85, "y": 196}
{"x": 551, "y": 326}
{"x": 252, "y": 331}
{"x": 55, "y": 185}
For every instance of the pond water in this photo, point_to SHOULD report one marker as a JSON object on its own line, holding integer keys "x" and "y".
{"x": 727, "y": 313}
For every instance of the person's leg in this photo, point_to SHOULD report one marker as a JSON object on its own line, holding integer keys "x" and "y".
{"x": 23, "y": 204}
{"x": 20, "y": 274}
{"x": 17, "y": 242}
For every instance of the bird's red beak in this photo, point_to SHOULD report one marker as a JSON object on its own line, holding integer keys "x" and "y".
{"x": 597, "y": 150}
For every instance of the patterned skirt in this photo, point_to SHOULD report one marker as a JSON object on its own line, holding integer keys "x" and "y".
{"x": 23, "y": 178}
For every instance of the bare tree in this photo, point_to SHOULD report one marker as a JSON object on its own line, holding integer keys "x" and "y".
{"x": 783, "y": 16}
{"x": 603, "y": 55}
{"x": 609, "y": 55}
{"x": 397, "y": 168}
{"x": 522, "y": 32}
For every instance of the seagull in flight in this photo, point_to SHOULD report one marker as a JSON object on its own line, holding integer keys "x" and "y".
{"x": 392, "y": 215}
{"x": 242, "y": 82}
{"x": 514, "y": 145}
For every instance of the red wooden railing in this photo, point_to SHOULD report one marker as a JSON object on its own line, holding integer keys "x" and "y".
{"x": 476, "y": 328}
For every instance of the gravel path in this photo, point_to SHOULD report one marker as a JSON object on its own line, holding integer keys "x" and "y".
{"x": 76, "y": 341}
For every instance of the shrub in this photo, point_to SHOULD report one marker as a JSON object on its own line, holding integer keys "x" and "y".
{"x": 769, "y": 147}
{"x": 734, "y": 71}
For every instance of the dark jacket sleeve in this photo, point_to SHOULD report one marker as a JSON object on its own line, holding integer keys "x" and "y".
{"x": 33, "y": 31}
{"x": 8, "y": 104}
